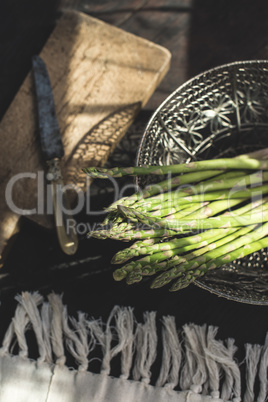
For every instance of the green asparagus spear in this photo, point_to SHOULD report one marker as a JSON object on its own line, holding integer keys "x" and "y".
{"x": 126, "y": 254}
{"x": 159, "y": 216}
{"x": 203, "y": 191}
{"x": 218, "y": 252}
{"x": 189, "y": 260}
{"x": 150, "y": 264}
{"x": 227, "y": 258}
{"x": 199, "y": 239}
{"x": 184, "y": 225}
{"x": 172, "y": 199}
{"x": 165, "y": 186}
{"x": 217, "y": 164}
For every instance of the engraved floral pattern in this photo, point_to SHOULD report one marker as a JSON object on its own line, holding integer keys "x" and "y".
{"x": 217, "y": 112}
{"x": 252, "y": 105}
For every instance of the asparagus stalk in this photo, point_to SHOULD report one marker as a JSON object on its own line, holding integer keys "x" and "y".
{"x": 212, "y": 164}
{"x": 199, "y": 208}
{"x": 149, "y": 265}
{"x": 184, "y": 225}
{"x": 123, "y": 227}
{"x": 153, "y": 202}
{"x": 196, "y": 207}
{"x": 140, "y": 249}
{"x": 132, "y": 234}
{"x": 170, "y": 213}
{"x": 218, "y": 252}
{"x": 144, "y": 265}
{"x": 144, "y": 243}
{"x": 235, "y": 184}
{"x": 118, "y": 226}
{"x": 212, "y": 209}
{"x": 183, "y": 209}
{"x": 175, "y": 268}
{"x": 124, "y": 255}
{"x": 171, "y": 199}
{"x": 198, "y": 240}
{"x": 241, "y": 252}
{"x": 203, "y": 191}
{"x": 180, "y": 244}
{"x": 160, "y": 213}
{"x": 166, "y": 185}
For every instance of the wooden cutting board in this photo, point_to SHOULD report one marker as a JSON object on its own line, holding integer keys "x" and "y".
{"x": 101, "y": 76}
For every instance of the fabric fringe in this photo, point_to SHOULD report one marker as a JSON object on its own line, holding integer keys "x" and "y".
{"x": 192, "y": 360}
{"x": 172, "y": 355}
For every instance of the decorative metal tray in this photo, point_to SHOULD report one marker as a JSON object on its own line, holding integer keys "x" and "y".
{"x": 222, "y": 112}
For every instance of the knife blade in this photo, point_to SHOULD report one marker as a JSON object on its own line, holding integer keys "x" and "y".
{"x": 53, "y": 151}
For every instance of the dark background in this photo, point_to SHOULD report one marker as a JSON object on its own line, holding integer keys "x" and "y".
{"x": 200, "y": 34}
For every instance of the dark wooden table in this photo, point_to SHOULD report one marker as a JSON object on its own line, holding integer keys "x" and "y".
{"x": 200, "y": 34}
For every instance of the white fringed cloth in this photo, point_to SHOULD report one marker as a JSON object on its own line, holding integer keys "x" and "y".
{"x": 194, "y": 366}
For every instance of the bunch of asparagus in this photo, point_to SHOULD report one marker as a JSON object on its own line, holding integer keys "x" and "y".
{"x": 206, "y": 214}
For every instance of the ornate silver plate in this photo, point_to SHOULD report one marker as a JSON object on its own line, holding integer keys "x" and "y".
{"x": 222, "y": 112}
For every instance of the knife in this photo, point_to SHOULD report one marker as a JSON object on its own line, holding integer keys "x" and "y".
{"x": 53, "y": 151}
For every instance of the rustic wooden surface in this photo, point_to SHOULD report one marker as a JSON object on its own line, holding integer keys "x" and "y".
{"x": 200, "y": 34}
{"x": 101, "y": 76}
